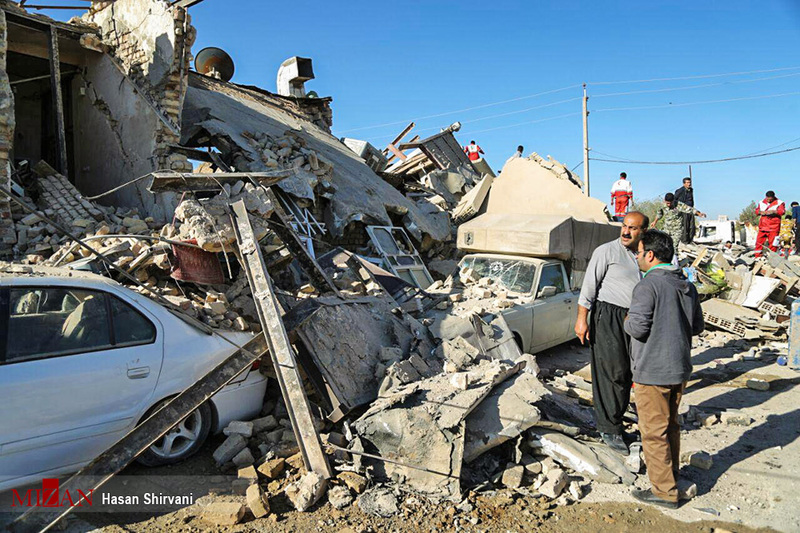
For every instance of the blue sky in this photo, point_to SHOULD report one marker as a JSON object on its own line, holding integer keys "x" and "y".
{"x": 392, "y": 62}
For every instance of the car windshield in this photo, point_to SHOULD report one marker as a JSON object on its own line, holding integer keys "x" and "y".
{"x": 512, "y": 275}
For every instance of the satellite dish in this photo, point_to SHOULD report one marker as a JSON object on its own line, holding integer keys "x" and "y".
{"x": 214, "y": 62}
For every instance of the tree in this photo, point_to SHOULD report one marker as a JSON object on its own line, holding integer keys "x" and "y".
{"x": 748, "y": 215}
{"x": 650, "y": 208}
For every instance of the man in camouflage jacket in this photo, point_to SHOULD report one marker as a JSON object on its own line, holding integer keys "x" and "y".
{"x": 672, "y": 213}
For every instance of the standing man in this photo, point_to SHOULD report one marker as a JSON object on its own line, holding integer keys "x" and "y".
{"x": 672, "y": 212}
{"x": 770, "y": 209}
{"x": 665, "y": 312}
{"x": 473, "y": 151}
{"x": 610, "y": 278}
{"x": 621, "y": 196}
{"x": 686, "y": 195}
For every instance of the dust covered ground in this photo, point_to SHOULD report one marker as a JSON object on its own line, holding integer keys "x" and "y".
{"x": 753, "y": 484}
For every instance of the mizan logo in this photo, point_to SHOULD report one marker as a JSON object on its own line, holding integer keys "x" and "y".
{"x": 50, "y": 495}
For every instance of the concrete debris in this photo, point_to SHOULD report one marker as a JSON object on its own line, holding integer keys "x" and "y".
{"x": 230, "y": 448}
{"x": 379, "y": 501}
{"x": 593, "y": 461}
{"x": 223, "y": 513}
{"x": 354, "y": 482}
{"x": 257, "y": 501}
{"x": 513, "y": 475}
{"x": 306, "y": 491}
{"x": 243, "y": 458}
{"x": 687, "y": 490}
{"x": 340, "y": 497}
{"x": 245, "y": 429}
{"x": 272, "y": 468}
{"x": 554, "y": 484}
{"x": 735, "y": 418}
{"x": 758, "y": 384}
{"x": 701, "y": 460}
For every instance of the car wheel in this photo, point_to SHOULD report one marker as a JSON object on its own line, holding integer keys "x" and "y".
{"x": 182, "y": 441}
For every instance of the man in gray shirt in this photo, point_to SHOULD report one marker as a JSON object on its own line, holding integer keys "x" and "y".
{"x": 607, "y": 288}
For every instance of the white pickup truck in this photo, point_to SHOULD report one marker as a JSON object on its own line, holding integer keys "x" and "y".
{"x": 546, "y": 303}
{"x": 540, "y": 260}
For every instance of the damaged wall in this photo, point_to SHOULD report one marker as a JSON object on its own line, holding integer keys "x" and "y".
{"x": 127, "y": 125}
{"x": 7, "y": 233}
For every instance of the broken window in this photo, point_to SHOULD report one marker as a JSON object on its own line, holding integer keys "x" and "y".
{"x": 512, "y": 275}
{"x": 399, "y": 255}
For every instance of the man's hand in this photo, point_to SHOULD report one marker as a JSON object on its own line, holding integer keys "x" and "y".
{"x": 702, "y": 215}
{"x": 582, "y": 330}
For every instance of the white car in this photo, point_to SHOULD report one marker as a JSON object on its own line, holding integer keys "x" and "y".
{"x": 83, "y": 360}
{"x": 546, "y": 304}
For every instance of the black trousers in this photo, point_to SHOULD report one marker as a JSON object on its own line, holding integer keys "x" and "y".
{"x": 611, "y": 366}
{"x": 688, "y": 228}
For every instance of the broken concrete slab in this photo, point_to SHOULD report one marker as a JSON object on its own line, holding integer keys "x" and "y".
{"x": 245, "y": 429}
{"x": 422, "y": 425}
{"x": 509, "y": 410}
{"x": 273, "y": 468}
{"x": 512, "y": 476}
{"x": 593, "y": 461}
{"x": 306, "y": 491}
{"x": 701, "y": 460}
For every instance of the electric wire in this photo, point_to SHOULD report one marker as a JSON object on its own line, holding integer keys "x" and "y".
{"x": 689, "y": 87}
{"x": 703, "y": 76}
{"x": 685, "y": 104}
{"x": 737, "y": 158}
{"x": 482, "y": 106}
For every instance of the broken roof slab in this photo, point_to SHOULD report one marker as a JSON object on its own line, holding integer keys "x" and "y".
{"x": 231, "y": 111}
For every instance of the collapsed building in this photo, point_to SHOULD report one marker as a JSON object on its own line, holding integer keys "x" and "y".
{"x": 125, "y": 161}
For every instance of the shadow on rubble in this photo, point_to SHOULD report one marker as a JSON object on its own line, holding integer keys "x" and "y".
{"x": 726, "y": 371}
{"x": 777, "y": 430}
{"x": 743, "y": 397}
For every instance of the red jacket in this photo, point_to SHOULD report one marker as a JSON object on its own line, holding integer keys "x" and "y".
{"x": 771, "y": 213}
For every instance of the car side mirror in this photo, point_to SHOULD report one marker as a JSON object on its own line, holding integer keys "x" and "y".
{"x": 547, "y": 292}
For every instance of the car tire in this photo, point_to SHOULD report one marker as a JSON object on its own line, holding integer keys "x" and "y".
{"x": 182, "y": 441}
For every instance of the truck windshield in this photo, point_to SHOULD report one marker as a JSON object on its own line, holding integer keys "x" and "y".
{"x": 515, "y": 276}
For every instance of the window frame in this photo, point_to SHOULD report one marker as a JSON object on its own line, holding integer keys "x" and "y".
{"x": 5, "y": 318}
{"x": 560, "y": 267}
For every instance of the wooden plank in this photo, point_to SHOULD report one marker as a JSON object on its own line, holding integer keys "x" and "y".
{"x": 283, "y": 358}
{"x": 403, "y": 133}
{"x": 124, "y": 451}
{"x": 700, "y": 257}
{"x": 168, "y": 181}
{"x": 58, "y": 102}
{"x": 396, "y": 152}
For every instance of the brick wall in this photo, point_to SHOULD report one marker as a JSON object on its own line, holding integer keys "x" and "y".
{"x": 8, "y": 235}
{"x": 152, "y": 41}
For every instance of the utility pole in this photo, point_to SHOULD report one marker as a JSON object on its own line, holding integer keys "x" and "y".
{"x": 690, "y": 171}
{"x": 585, "y": 142}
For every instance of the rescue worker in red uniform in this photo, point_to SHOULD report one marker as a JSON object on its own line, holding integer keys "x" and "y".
{"x": 621, "y": 196}
{"x": 473, "y": 151}
{"x": 771, "y": 210}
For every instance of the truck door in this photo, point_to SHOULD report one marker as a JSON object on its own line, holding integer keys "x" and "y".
{"x": 552, "y": 314}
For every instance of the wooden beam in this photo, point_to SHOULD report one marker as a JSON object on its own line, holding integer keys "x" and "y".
{"x": 58, "y": 102}
{"x": 403, "y": 133}
{"x": 168, "y": 181}
{"x": 280, "y": 349}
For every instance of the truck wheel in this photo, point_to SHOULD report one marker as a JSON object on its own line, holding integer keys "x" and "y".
{"x": 182, "y": 441}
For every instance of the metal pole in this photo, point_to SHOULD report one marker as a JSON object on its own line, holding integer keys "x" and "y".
{"x": 585, "y": 143}
{"x": 690, "y": 171}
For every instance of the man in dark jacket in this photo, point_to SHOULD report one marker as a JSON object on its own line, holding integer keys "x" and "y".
{"x": 664, "y": 314}
{"x": 686, "y": 195}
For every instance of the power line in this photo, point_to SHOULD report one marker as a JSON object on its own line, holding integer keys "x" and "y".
{"x": 695, "y": 103}
{"x": 632, "y": 162}
{"x": 696, "y": 86}
{"x": 503, "y": 114}
{"x": 704, "y": 76}
{"x": 491, "y": 104}
{"x": 525, "y": 123}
